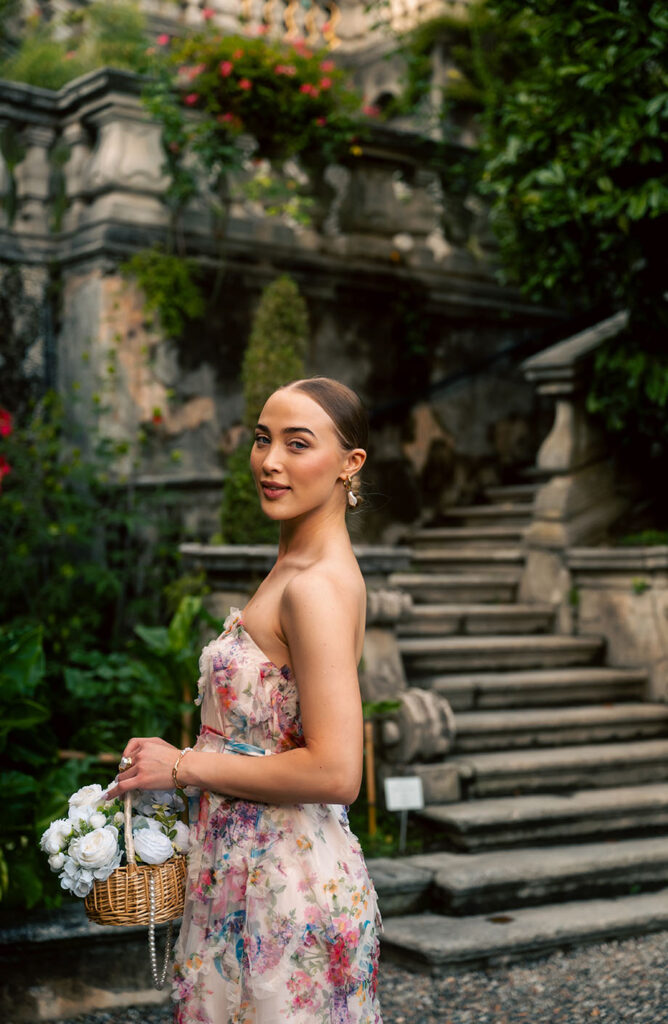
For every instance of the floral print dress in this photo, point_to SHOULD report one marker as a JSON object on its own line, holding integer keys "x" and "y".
{"x": 281, "y": 921}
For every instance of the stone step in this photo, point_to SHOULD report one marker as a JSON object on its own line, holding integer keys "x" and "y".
{"x": 431, "y": 655}
{"x": 551, "y": 769}
{"x": 436, "y": 537}
{"x": 538, "y": 687}
{"x": 519, "y": 513}
{"x": 547, "y": 727}
{"x": 468, "y": 557}
{"x": 517, "y": 494}
{"x": 436, "y": 942}
{"x": 500, "y": 585}
{"x": 472, "y": 883}
{"x": 500, "y": 822}
{"x": 476, "y": 619}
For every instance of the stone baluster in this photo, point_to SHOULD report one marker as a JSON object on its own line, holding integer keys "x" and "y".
{"x": 579, "y": 498}
{"x": 32, "y": 176}
{"x": 5, "y": 181}
{"x": 77, "y": 138}
{"x": 124, "y": 178}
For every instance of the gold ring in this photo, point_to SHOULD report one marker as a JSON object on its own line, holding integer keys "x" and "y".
{"x": 124, "y": 763}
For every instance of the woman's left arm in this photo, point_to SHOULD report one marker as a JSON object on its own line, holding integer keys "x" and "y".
{"x": 320, "y": 626}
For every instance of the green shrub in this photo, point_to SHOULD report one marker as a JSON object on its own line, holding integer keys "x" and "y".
{"x": 274, "y": 356}
{"x": 170, "y": 288}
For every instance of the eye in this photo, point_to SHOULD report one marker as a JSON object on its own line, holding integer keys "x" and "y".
{"x": 297, "y": 445}
{"x": 261, "y": 439}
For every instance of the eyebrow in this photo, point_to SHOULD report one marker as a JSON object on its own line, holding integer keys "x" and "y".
{"x": 287, "y": 430}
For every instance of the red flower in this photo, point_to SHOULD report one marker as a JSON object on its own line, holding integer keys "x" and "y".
{"x": 226, "y": 68}
{"x": 321, "y": 121}
{"x": 327, "y": 65}
{"x": 191, "y": 99}
{"x": 238, "y": 54}
{"x": 156, "y": 418}
{"x": 5, "y": 423}
{"x": 163, "y": 39}
{"x": 208, "y": 13}
{"x": 370, "y": 110}
{"x": 309, "y": 90}
{"x": 285, "y": 69}
{"x": 325, "y": 83}
{"x": 245, "y": 84}
{"x": 5, "y": 468}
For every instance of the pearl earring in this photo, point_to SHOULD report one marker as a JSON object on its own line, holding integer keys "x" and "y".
{"x": 352, "y": 497}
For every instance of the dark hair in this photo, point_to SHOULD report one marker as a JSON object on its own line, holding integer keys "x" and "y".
{"x": 343, "y": 407}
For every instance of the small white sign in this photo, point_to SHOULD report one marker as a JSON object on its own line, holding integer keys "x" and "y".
{"x": 404, "y": 793}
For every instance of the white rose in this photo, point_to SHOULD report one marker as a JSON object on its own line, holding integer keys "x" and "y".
{"x": 56, "y": 861}
{"x": 97, "y": 820}
{"x": 55, "y": 838}
{"x": 181, "y": 840}
{"x": 153, "y": 847}
{"x": 85, "y": 802}
{"x": 119, "y": 818}
{"x": 97, "y": 851}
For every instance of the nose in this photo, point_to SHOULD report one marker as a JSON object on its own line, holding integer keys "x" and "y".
{"x": 270, "y": 461}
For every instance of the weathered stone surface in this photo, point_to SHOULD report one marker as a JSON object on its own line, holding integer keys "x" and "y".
{"x": 422, "y": 728}
{"x": 476, "y": 619}
{"x": 551, "y": 817}
{"x": 437, "y": 942}
{"x": 402, "y": 885}
{"x": 538, "y": 687}
{"x": 382, "y": 674}
{"x": 499, "y": 585}
{"x": 431, "y": 655}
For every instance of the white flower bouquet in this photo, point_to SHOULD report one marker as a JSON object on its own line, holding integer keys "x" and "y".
{"x": 89, "y": 844}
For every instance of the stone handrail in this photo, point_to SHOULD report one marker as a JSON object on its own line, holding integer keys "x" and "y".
{"x": 579, "y": 497}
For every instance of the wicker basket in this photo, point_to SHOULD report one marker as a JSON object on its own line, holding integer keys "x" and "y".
{"x": 138, "y": 894}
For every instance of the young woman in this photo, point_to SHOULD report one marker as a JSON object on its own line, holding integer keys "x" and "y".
{"x": 281, "y": 922}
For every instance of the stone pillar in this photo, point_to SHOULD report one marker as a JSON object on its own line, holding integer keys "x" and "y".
{"x": 32, "y": 181}
{"x": 124, "y": 178}
{"x": 78, "y": 140}
{"x": 5, "y": 181}
{"x": 579, "y": 499}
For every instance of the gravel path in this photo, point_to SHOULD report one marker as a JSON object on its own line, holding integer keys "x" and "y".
{"x": 612, "y": 982}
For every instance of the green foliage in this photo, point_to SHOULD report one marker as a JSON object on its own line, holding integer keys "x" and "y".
{"x": 639, "y": 586}
{"x": 73, "y": 547}
{"x": 576, "y": 154}
{"x": 50, "y": 54}
{"x": 645, "y": 538}
{"x": 242, "y": 520}
{"x": 169, "y": 285}
{"x": 274, "y": 356}
{"x": 630, "y": 393}
{"x": 277, "y": 346}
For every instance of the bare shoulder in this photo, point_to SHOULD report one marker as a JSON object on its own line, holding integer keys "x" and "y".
{"x": 325, "y": 596}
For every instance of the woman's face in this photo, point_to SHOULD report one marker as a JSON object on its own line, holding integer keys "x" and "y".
{"x": 297, "y": 461}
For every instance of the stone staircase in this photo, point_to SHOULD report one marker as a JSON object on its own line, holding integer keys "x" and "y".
{"x": 560, "y": 830}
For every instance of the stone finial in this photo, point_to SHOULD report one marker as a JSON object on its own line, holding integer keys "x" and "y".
{"x": 32, "y": 176}
{"x": 423, "y": 728}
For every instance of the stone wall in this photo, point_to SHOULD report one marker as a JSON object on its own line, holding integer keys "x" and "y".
{"x": 397, "y": 275}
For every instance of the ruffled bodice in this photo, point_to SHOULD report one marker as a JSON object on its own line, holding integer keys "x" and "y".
{"x": 281, "y": 920}
{"x": 244, "y": 696}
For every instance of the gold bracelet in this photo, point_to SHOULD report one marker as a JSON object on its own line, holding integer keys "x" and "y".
{"x": 177, "y": 784}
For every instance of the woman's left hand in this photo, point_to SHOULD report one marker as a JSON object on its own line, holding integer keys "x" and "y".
{"x": 152, "y": 760}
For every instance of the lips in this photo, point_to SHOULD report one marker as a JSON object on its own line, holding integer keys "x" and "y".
{"x": 273, "y": 490}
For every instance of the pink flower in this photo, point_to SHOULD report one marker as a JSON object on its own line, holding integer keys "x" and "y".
{"x": 238, "y": 54}
{"x": 226, "y": 68}
{"x": 327, "y": 65}
{"x": 196, "y": 70}
{"x": 163, "y": 39}
{"x": 191, "y": 99}
{"x": 70, "y": 55}
{"x": 208, "y": 13}
{"x": 370, "y": 110}
{"x": 285, "y": 69}
{"x": 308, "y": 89}
{"x": 261, "y": 30}
{"x": 321, "y": 121}
{"x": 5, "y": 423}
{"x": 325, "y": 83}
{"x": 245, "y": 84}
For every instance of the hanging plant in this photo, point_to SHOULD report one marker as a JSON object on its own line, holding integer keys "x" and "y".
{"x": 222, "y": 99}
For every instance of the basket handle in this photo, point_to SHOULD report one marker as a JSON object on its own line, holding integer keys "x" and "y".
{"x": 129, "y": 841}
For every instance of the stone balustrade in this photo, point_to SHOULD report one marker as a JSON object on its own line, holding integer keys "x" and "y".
{"x": 579, "y": 497}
